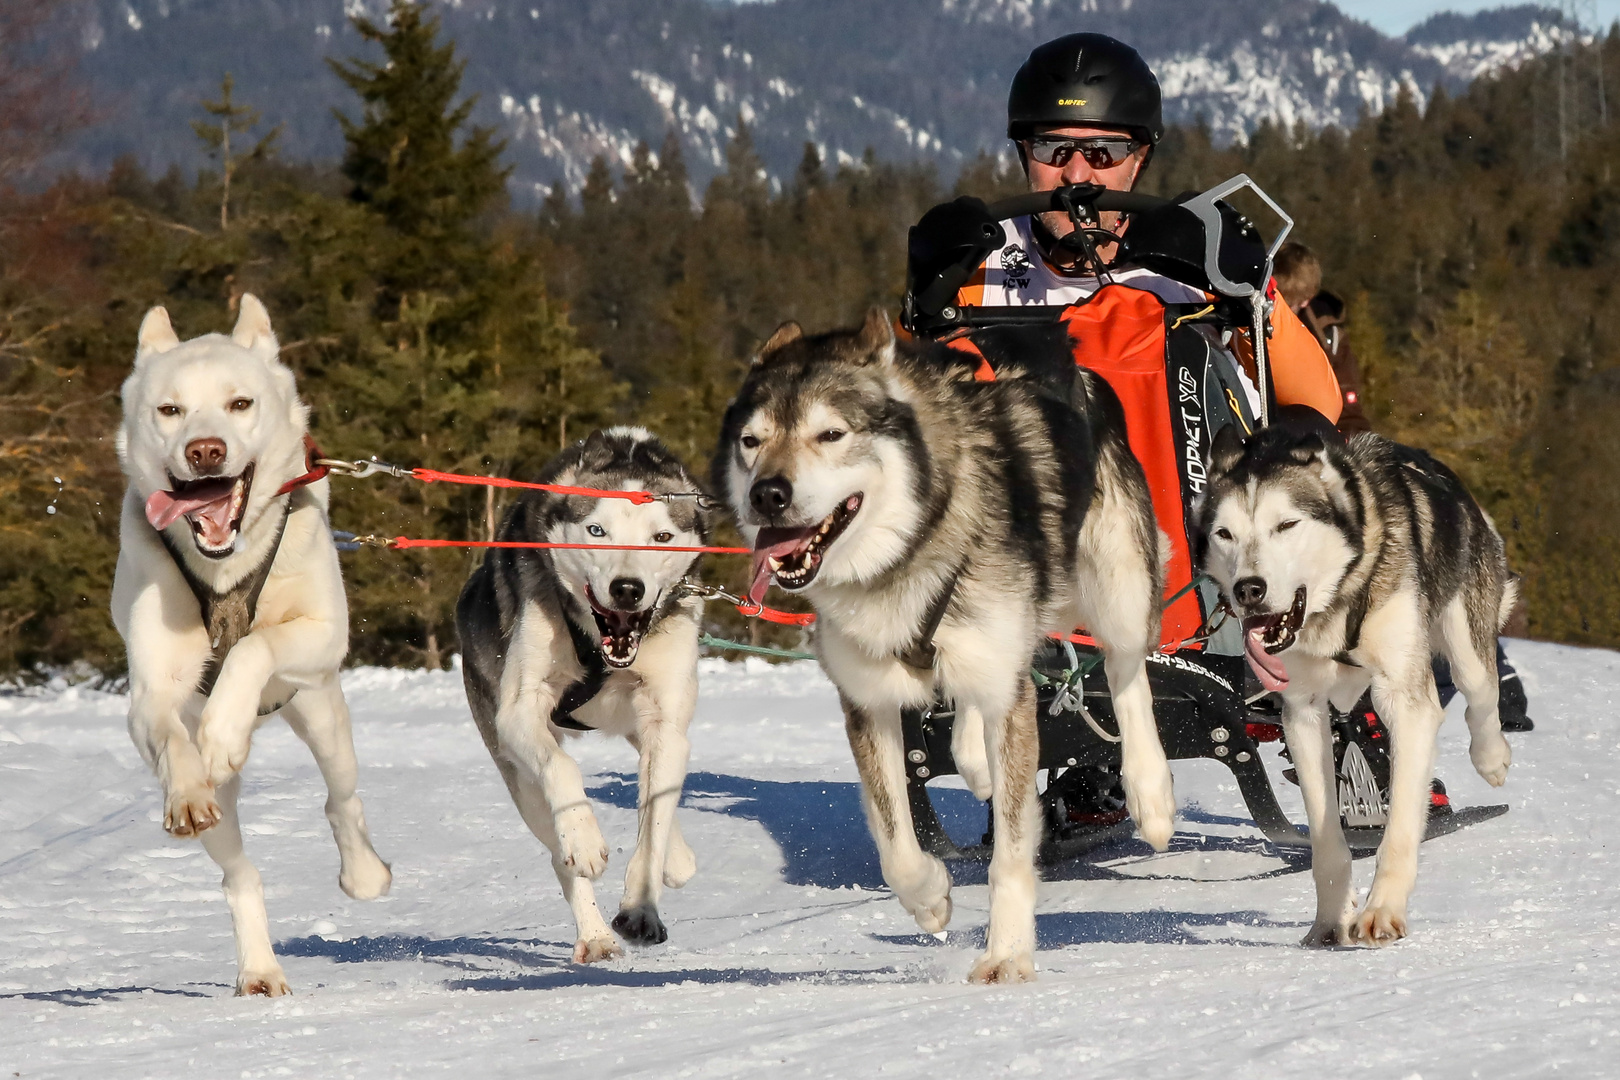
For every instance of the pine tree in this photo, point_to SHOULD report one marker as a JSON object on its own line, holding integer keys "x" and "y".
{"x": 408, "y": 158}
{"x": 233, "y": 119}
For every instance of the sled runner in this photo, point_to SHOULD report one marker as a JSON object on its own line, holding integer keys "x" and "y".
{"x": 1176, "y": 315}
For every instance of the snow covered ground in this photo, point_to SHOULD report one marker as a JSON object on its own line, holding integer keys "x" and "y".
{"x": 786, "y": 953}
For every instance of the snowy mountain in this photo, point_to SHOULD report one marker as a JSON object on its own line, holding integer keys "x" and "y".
{"x": 567, "y": 80}
{"x": 1468, "y": 46}
{"x": 787, "y": 956}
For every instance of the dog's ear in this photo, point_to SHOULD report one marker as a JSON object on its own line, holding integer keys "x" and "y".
{"x": 1226, "y": 451}
{"x": 876, "y": 339}
{"x": 253, "y": 324}
{"x": 785, "y": 335}
{"x": 156, "y": 335}
{"x": 1308, "y": 449}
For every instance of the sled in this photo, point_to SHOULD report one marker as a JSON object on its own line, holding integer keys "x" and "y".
{"x": 1174, "y": 392}
{"x": 1198, "y": 703}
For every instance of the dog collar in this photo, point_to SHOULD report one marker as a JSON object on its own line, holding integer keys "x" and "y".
{"x": 312, "y": 461}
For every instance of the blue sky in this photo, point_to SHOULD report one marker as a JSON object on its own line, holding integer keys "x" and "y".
{"x": 1397, "y": 16}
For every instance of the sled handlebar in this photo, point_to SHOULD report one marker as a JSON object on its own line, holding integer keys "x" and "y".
{"x": 1094, "y": 196}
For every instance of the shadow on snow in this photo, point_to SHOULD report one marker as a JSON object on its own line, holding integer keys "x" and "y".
{"x": 101, "y": 995}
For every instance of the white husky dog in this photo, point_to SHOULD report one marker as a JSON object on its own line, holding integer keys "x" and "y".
{"x": 230, "y": 601}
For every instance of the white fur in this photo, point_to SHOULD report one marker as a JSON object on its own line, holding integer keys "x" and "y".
{"x": 197, "y": 745}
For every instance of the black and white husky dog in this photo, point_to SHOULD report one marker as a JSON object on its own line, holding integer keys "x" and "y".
{"x": 558, "y": 641}
{"x": 1353, "y": 565}
{"x": 942, "y": 526}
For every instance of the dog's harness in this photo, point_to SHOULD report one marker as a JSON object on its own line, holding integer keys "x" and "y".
{"x": 580, "y": 692}
{"x": 228, "y": 616}
{"x": 921, "y": 653}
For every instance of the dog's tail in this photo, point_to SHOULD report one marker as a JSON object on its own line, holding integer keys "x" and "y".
{"x": 1510, "y": 598}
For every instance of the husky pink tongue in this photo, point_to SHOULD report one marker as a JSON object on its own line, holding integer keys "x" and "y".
{"x": 211, "y": 503}
{"x": 1269, "y": 669}
{"x": 773, "y": 543}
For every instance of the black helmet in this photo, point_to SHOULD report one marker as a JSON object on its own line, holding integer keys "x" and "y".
{"x": 1085, "y": 79}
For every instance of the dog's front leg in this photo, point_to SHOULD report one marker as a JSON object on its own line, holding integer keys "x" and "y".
{"x": 1013, "y": 747}
{"x": 529, "y": 691}
{"x": 300, "y": 650}
{"x": 1310, "y": 743}
{"x": 1410, "y": 708}
{"x": 919, "y": 880}
{"x": 160, "y": 734}
{"x": 665, "y": 750}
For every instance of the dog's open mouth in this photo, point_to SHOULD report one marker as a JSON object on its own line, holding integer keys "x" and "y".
{"x": 213, "y": 506}
{"x": 1264, "y": 636}
{"x": 621, "y": 631}
{"x": 793, "y": 555}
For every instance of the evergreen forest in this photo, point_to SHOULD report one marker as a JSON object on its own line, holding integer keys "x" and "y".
{"x": 1476, "y": 240}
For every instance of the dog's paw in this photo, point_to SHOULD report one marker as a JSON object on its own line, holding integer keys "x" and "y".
{"x": 590, "y": 950}
{"x": 641, "y": 926}
{"x": 224, "y": 751}
{"x": 1150, "y": 799}
{"x": 1378, "y": 926}
{"x": 187, "y": 813}
{"x": 367, "y": 881}
{"x": 679, "y": 864}
{"x": 930, "y": 904}
{"x": 1324, "y": 935}
{"x": 580, "y": 846}
{"x": 1491, "y": 756}
{"x": 993, "y": 970}
{"x": 271, "y": 983}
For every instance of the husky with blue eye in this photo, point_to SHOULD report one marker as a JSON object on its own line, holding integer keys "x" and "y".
{"x": 555, "y": 642}
{"x": 1353, "y": 565}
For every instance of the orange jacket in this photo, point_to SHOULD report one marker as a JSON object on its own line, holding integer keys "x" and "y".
{"x": 1300, "y": 369}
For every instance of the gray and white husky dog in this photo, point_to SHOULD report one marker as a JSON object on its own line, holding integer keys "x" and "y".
{"x": 942, "y": 526}
{"x": 1353, "y": 565}
{"x": 557, "y": 641}
{"x": 230, "y": 601}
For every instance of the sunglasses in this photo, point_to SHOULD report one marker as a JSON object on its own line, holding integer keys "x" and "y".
{"x": 1097, "y": 152}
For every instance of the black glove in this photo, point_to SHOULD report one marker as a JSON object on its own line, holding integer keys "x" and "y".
{"x": 944, "y": 249}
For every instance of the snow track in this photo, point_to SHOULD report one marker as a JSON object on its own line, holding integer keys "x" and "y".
{"x": 785, "y": 953}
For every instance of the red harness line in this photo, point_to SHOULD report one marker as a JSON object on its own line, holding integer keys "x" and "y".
{"x": 319, "y": 466}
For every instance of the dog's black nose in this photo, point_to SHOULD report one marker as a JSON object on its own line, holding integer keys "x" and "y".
{"x": 206, "y": 456}
{"x": 626, "y": 592}
{"x": 770, "y": 496}
{"x": 1249, "y": 591}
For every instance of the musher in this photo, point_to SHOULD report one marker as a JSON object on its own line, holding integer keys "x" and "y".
{"x": 1087, "y": 109}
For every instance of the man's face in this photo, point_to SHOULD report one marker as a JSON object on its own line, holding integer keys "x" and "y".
{"x": 1077, "y": 170}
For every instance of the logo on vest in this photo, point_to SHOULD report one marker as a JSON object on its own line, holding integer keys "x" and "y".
{"x": 1016, "y": 265}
